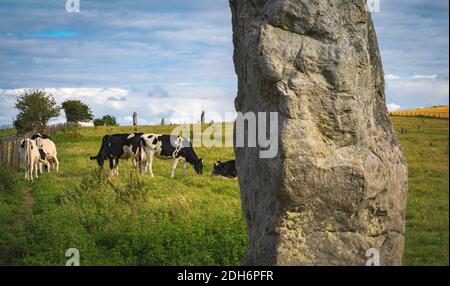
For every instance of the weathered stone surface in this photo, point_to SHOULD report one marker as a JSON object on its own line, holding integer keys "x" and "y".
{"x": 338, "y": 185}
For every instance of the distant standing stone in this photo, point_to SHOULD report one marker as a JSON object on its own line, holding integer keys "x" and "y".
{"x": 134, "y": 118}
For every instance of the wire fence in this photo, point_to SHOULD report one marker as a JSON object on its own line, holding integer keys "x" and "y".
{"x": 6, "y": 126}
{"x": 9, "y": 145}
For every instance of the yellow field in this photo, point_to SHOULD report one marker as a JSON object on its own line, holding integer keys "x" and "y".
{"x": 439, "y": 112}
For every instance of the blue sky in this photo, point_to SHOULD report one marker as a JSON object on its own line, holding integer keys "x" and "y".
{"x": 163, "y": 58}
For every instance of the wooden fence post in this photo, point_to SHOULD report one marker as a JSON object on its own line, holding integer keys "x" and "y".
{"x": 4, "y": 152}
{"x": 11, "y": 153}
{"x": 16, "y": 153}
{"x": 1, "y": 152}
{"x": 8, "y": 144}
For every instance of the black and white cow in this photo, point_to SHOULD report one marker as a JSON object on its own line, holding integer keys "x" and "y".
{"x": 227, "y": 169}
{"x": 115, "y": 147}
{"x": 168, "y": 147}
{"x": 47, "y": 150}
{"x": 29, "y": 155}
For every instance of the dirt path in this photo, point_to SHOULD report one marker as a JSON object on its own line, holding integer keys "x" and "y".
{"x": 7, "y": 253}
{"x": 28, "y": 200}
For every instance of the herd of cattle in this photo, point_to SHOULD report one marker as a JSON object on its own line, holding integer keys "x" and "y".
{"x": 40, "y": 150}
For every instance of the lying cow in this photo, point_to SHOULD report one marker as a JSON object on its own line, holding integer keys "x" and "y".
{"x": 115, "y": 147}
{"x": 47, "y": 149}
{"x": 227, "y": 169}
{"x": 168, "y": 147}
{"x": 29, "y": 155}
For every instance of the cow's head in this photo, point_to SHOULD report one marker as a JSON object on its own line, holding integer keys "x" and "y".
{"x": 100, "y": 160}
{"x": 198, "y": 166}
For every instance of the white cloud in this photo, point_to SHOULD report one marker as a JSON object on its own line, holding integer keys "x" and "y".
{"x": 128, "y": 119}
{"x": 393, "y": 107}
{"x": 416, "y": 76}
{"x": 413, "y": 92}
{"x": 421, "y": 76}
{"x": 391, "y": 77}
{"x": 184, "y": 104}
{"x": 185, "y": 48}
{"x": 94, "y": 97}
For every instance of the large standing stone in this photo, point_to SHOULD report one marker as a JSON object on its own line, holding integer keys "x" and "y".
{"x": 338, "y": 185}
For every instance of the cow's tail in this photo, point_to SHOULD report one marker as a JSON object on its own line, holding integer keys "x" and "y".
{"x": 142, "y": 153}
{"x": 28, "y": 148}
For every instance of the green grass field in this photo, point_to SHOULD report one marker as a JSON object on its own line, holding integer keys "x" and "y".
{"x": 7, "y": 132}
{"x": 189, "y": 220}
{"x": 427, "y": 207}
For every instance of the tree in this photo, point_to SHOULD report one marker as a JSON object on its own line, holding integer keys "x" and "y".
{"x": 36, "y": 108}
{"x": 202, "y": 117}
{"x": 163, "y": 122}
{"x": 77, "y": 111}
{"x": 106, "y": 120}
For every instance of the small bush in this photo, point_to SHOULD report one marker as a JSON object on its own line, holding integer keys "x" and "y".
{"x": 98, "y": 184}
{"x": 95, "y": 182}
{"x": 9, "y": 180}
{"x": 133, "y": 190}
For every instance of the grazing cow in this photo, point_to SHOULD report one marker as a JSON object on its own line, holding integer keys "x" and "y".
{"x": 168, "y": 147}
{"x": 227, "y": 169}
{"x": 29, "y": 154}
{"x": 118, "y": 146}
{"x": 47, "y": 150}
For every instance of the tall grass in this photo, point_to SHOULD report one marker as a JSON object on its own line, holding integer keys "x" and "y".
{"x": 119, "y": 224}
{"x": 9, "y": 180}
{"x": 11, "y": 201}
